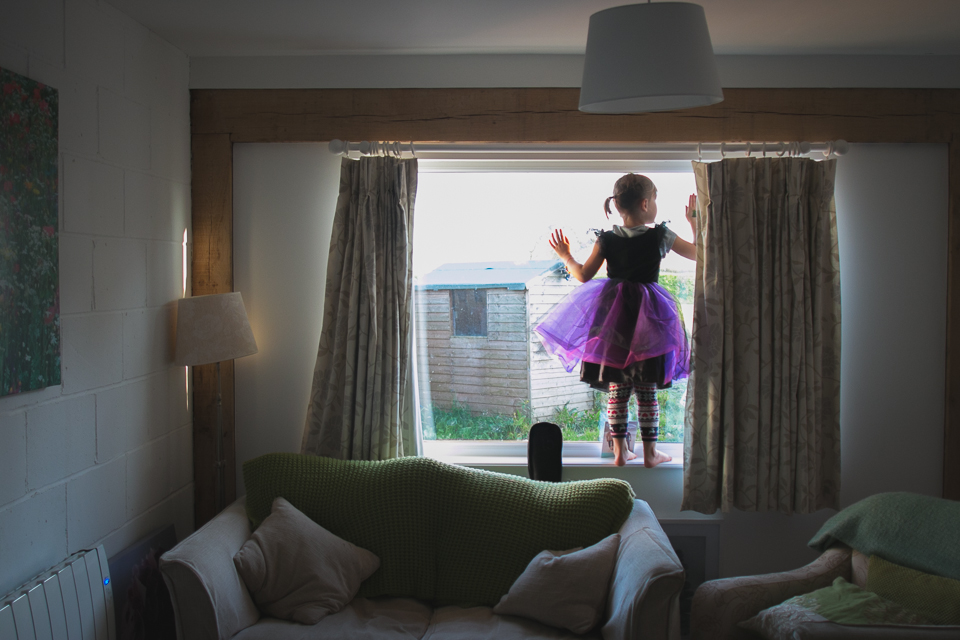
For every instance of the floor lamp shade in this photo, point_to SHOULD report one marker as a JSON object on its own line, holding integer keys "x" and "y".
{"x": 213, "y": 328}
{"x": 649, "y": 57}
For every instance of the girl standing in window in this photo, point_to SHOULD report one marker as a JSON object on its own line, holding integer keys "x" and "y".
{"x": 626, "y": 331}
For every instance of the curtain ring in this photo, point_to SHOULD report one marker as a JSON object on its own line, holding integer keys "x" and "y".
{"x": 780, "y": 149}
{"x": 764, "y": 149}
{"x": 413, "y": 150}
{"x": 723, "y": 150}
{"x": 699, "y": 152}
{"x": 748, "y": 150}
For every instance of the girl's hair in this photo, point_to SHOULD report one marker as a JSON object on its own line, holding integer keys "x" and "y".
{"x": 629, "y": 191}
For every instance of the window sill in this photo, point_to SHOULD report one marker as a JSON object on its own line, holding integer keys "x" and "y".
{"x": 514, "y": 454}
{"x": 521, "y": 461}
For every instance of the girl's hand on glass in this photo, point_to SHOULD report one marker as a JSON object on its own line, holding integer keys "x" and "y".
{"x": 691, "y": 211}
{"x": 560, "y": 244}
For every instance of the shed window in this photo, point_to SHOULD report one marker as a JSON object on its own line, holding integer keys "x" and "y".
{"x": 468, "y": 307}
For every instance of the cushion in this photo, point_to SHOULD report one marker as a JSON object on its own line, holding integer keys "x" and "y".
{"x": 909, "y": 529}
{"x": 840, "y": 603}
{"x": 436, "y": 526}
{"x": 565, "y": 589}
{"x": 933, "y": 597}
{"x": 297, "y": 570}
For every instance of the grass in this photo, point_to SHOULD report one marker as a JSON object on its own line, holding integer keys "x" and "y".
{"x": 460, "y": 423}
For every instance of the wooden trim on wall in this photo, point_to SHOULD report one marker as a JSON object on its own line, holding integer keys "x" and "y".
{"x": 212, "y": 272}
{"x": 222, "y": 116}
{"x": 951, "y": 432}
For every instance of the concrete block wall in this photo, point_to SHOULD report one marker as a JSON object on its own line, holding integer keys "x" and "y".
{"x": 105, "y": 457}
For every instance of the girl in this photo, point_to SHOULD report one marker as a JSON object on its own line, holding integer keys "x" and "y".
{"x": 626, "y": 331}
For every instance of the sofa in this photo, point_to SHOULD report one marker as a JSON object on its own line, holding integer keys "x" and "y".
{"x": 451, "y": 542}
{"x": 915, "y": 532}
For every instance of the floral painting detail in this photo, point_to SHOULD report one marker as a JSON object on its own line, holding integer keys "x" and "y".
{"x": 29, "y": 256}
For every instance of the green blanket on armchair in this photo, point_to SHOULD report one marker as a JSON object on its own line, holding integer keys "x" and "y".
{"x": 908, "y": 529}
{"x": 445, "y": 534}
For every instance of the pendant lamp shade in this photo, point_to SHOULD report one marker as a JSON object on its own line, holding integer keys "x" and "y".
{"x": 649, "y": 57}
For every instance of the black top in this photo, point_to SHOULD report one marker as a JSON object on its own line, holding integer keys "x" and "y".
{"x": 635, "y": 259}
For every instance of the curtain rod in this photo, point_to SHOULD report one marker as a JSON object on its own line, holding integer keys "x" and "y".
{"x": 451, "y": 150}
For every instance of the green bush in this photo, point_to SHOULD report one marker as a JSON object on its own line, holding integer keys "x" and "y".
{"x": 460, "y": 423}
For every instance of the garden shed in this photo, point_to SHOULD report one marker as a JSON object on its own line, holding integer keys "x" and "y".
{"x": 476, "y": 344}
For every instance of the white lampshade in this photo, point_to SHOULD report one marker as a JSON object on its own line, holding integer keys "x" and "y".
{"x": 213, "y": 329}
{"x": 649, "y": 57}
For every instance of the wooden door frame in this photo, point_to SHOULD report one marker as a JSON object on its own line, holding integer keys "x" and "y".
{"x": 221, "y": 117}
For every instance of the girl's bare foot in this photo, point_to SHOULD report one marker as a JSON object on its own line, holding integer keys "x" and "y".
{"x": 621, "y": 453}
{"x": 652, "y": 457}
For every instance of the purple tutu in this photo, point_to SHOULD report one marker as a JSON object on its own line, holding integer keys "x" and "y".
{"x": 617, "y": 323}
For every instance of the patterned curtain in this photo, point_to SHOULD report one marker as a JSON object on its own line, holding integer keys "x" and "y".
{"x": 762, "y": 426}
{"x": 361, "y": 377}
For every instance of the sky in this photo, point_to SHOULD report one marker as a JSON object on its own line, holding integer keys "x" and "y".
{"x": 477, "y": 217}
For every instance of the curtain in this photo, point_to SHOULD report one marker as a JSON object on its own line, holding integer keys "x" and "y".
{"x": 360, "y": 382}
{"x": 762, "y": 423}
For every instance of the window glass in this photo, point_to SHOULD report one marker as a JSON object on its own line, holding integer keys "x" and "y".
{"x": 469, "y": 310}
{"x": 484, "y": 274}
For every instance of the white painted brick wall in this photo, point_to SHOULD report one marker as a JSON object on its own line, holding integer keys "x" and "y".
{"x": 106, "y": 457}
{"x": 13, "y": 456}
{"x": 36, "y": 27}
{"x": 96, "y": 504}
{"x": 155, "y": 208}
{"x": 147, "y": 340}
{"x": 159, "y": 470}
{"x": 164, "y": 272}
{"x": 92, "y": 197}
{"x": 132, "y": 414}
{"x": 34, "y": 534}
{"x": 79, "y": 117}
{"x": 61, "y": 440}
{"x": 119, "y": 274}
{"x": 94, "y": 45}
{"x": 76, "y": 283}
{"x": 124, "y": 130}
{"x": 91, "y": 354}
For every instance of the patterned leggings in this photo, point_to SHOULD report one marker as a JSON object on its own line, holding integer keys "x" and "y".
{"x": 648, "y": 410}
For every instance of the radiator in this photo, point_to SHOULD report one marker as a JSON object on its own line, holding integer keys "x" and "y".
{"x": 72, "y": 601}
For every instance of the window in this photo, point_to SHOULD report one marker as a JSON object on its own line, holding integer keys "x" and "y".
{"x": 501, "y": 276}
{"x": 468, "y": 308}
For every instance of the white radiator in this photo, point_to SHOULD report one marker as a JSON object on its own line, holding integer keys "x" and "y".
{"x": 72, "y": 601}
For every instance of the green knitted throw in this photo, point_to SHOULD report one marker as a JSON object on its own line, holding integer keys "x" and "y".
{"x": 443, "y": 533}
{"x": 908, "y": 529}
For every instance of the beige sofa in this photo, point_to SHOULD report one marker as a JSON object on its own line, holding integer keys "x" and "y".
{"x": 211, "y": 601}
{"x": 719, "y": 605}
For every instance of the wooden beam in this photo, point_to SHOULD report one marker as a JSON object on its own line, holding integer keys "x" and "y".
{"x": 221, "y": 117}
{"x": 212, "y": 272}
{"x": 551, "y": 115}
{"x": 951, "y": 432}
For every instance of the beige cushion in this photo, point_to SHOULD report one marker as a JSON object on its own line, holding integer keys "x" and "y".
{"x": 565, "y": 589}
{"x": 297, "y": 570}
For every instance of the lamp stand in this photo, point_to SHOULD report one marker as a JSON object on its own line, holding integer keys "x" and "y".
{"x": 221, "y": 490}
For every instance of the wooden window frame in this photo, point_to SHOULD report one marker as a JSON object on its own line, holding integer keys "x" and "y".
{"x": 221, "y": 117}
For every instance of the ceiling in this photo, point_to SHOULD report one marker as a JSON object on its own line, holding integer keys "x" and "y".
{"x": 746, "y": 27}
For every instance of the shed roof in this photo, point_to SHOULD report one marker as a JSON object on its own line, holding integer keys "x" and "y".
{"x": 486, "y": 275}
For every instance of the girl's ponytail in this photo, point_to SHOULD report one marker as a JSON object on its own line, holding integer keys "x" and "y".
{"x": 606, "y": 206}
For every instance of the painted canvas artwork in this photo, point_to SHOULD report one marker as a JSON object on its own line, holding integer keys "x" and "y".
{"x": 29, "y": 255}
